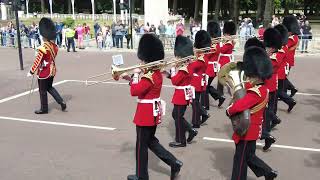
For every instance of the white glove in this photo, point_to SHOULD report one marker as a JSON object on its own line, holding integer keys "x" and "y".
{"x": 29, "y": 74}
{"x": 135, "y": 78}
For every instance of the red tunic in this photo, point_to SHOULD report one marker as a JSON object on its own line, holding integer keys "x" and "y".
{"x": 44, "y": 65}
{"x": 256, "y": 99}
{"x": 182, "y": 78}
{"x": 149, "y": 87}
{"x": 225, "y": 53}
{"x": 281, "y": 58}
{"x": 272, "y": 83}
{"x": 213, "y": 57}
{"x": 293, "y": 43}
{"x": 197, "y": 69}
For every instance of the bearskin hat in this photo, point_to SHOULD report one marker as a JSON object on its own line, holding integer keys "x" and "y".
{"x": 47, "y": 29}
{"x": 213, "y": 28}
{"x": 272, "y": 38}
{"x": 291, "y": 23}
{"x": 150, "y": 48}
{"x": 183, "y": 47}
{"x": 229, "y": 27}
{"x": 284, "y": 33}
{"x": 202, "y": 39}
{"x": 256, "y": 63}
{"x": 254, "y": 42}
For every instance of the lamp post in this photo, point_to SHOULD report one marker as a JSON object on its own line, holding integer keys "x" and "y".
{"x": 15, "y": 7}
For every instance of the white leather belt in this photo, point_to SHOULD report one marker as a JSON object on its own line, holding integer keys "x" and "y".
{"x": 148, "y": 101}
{"x": 229, "y": 55}
{"x": 211, "y": 62}
{"x": 182, "y": 87}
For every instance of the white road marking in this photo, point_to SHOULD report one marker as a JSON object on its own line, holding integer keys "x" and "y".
{"x": 57, "y": 123}
{"x": 27, "y": 92}
{"x": 260, "y": 144}
{"x": 168, "y": 86}
{"x": 307, "y": 94}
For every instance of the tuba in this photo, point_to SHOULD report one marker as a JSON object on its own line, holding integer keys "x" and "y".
{"x": 232, "y": 76}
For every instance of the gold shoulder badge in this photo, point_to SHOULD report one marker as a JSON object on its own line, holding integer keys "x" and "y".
{"x": 148, "y": 76}
{"x": 42, "y": 49}
{"x": 184, "y": 68}
{"x": 273, "y": 56}
{"x": 229, "y": 42}
{"x": 201, "y": 58}
{"x": 256, "y": 90}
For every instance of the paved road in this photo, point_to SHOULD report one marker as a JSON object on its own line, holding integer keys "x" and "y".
{"x": 76, "y": 145}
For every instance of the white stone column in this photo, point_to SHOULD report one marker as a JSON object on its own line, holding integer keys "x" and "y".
{"x": 3, "y": 11}
{"x": 204, "y": 14}
{"x": 27, "y": 7}
{"x": 114, "y": 11}
{"x": 155, "y": 12}
{"x": 72, "y": 4}
{"x": 50, "y": 3}
{"x": 122, "y": 13}
{"x": 92, "y": 4}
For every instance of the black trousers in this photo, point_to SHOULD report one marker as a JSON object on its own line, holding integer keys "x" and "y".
{"x": 282, "y": 92}
{"x": 289, "y": 85}
{"x": 71, "y": 43}
{"x": 245, "y": 156}
{"x": 180, "y": 122}
{"x": 269, "y": 115}
{"x": 45, "y": 85}
{"x": 146, "y": 139}
{"x": 215, "y": 94}
{"x": 197, "y": 110}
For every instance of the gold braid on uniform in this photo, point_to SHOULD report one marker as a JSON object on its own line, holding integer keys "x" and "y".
{"x": 148, "y": 76}
{"x": 41, "y": 52}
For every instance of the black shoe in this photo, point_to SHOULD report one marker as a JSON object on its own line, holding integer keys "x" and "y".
{"x": 221, "y": 101}
{"x": 177, "y": 144}
{"x": 293, "y": 92}
{"x": 132, "y": 177}
{"x": 63, "y": 106}
{"x": 275, "y": 122}
{"x": 175, "y": 169}
{"x": 41, "y": 111}
{"x": 273, "y": 174}
{"x": 268, "y": 142}
{"x": 196, "y": 126}
{"x": 291, "y": 106}
{"x": 205, "y": 118}
{"x": 192, "y": 134}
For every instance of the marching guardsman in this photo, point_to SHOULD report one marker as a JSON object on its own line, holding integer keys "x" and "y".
{"x": 269, "y": 115}
{"x": 45, "y": 67}
{"x": 149, "y": 109}
{"x": 257, "y": 67}
{"x": 213, "y": 28}
{"x": 184, "y": 92}
{"x": 273, "y": 43}
{"x": 199, "y": 78}
{"x": 281, "y": 59}
{"x": 292, "y": 25}
{"x": 283, "y": 69}
{"x": 226, "y": 56}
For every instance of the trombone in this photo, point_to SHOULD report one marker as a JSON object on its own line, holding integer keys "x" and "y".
{"x": 116, "y": 72}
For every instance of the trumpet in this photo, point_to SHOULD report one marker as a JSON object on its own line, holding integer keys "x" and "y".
{"x": 116, "y": 72}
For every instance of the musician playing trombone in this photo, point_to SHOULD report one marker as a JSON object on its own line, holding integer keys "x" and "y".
{"x": 184, "y": 92}
{"x": 149, "y": 109}
{"x": 199, "y": 78}
{"x": 213, "y": 28}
